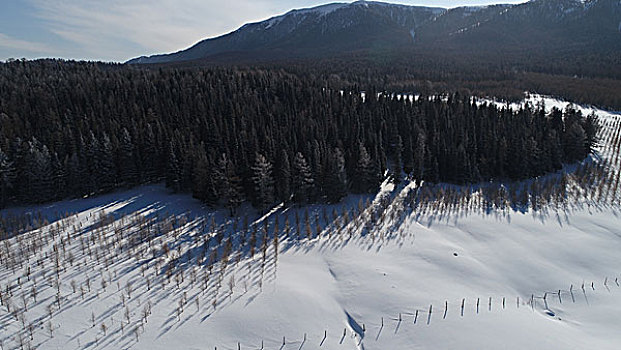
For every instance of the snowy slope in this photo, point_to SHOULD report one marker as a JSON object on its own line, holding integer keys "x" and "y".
{"x": 552, "y": 276}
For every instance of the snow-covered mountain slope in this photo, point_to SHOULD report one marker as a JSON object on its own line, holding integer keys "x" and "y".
{"x": 137, "y": 269}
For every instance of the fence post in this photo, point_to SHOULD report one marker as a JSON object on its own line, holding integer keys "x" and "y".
{"x": 445, "y": 309}
{"x": 463, "y": 301}
{"x": 429, "y": 315}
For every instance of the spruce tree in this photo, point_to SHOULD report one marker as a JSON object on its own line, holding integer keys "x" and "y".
{"x": 336, "y": 181}
{"x": 128, "y": 172}
{"x": 74, "y": 175}
{"x": 364, "y": 178}
{"x": 173, "y": 170}
{"x": 38, "y": 172}
{"x": 575, "y": 143}
{"x": 591, "y": 127}
{"x": 283, "y": 178}
{"x": 105, "y": 171}
{"x": 395, "y": 153}
{"x": 418, "y": 161}
{"x": 263, "y": 182}
{"x": 228, "y": 184}
{"x": 302, "y": 179}
{"x": 59, "y": 179}
{"x": 7, "y": 177}
{"x": 202, "y": 177}
{"x": 149, "y": 152}
{"x": 408, "y": 156}
{"x": 89, "y": 161}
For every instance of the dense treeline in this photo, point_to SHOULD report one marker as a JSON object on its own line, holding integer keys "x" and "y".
{"x": 503, "y": 77}
{"x": 506, "y": 75}
{"x": 73, "y": 129}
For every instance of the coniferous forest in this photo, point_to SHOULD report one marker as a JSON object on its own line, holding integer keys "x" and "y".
{"x": 231, "y": 135}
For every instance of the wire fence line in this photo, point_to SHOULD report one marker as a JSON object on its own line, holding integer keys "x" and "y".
{"x": 541, "y": 301}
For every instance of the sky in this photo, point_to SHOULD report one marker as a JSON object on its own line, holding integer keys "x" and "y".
{"x": 117, "y": 30}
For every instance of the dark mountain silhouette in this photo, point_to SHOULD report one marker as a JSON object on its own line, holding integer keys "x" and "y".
{"x": 538, "y": 27}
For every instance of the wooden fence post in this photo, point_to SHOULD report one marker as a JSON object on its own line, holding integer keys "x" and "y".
{"x": 429, "y": 315}
{"x": 445, "y": 309}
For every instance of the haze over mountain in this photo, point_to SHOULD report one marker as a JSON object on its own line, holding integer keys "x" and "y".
{"x": 370, "y": 28}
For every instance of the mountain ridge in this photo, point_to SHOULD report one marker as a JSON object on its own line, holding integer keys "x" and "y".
{"x": 372, "y": 27}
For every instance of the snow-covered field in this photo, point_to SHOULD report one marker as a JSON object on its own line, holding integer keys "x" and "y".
{"x": 117, "y": 272}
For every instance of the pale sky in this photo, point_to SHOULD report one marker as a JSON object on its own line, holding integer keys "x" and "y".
{"x": 117, "y": 30}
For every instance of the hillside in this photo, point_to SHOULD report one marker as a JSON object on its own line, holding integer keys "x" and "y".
{"x": 147, "y": 269}
{"x": 539, "y": 28}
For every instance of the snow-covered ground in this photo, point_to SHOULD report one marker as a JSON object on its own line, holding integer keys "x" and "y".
{"x": 542, "y": 280}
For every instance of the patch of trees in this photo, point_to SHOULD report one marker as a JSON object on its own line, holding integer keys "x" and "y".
{"x": 72, "y": 129}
